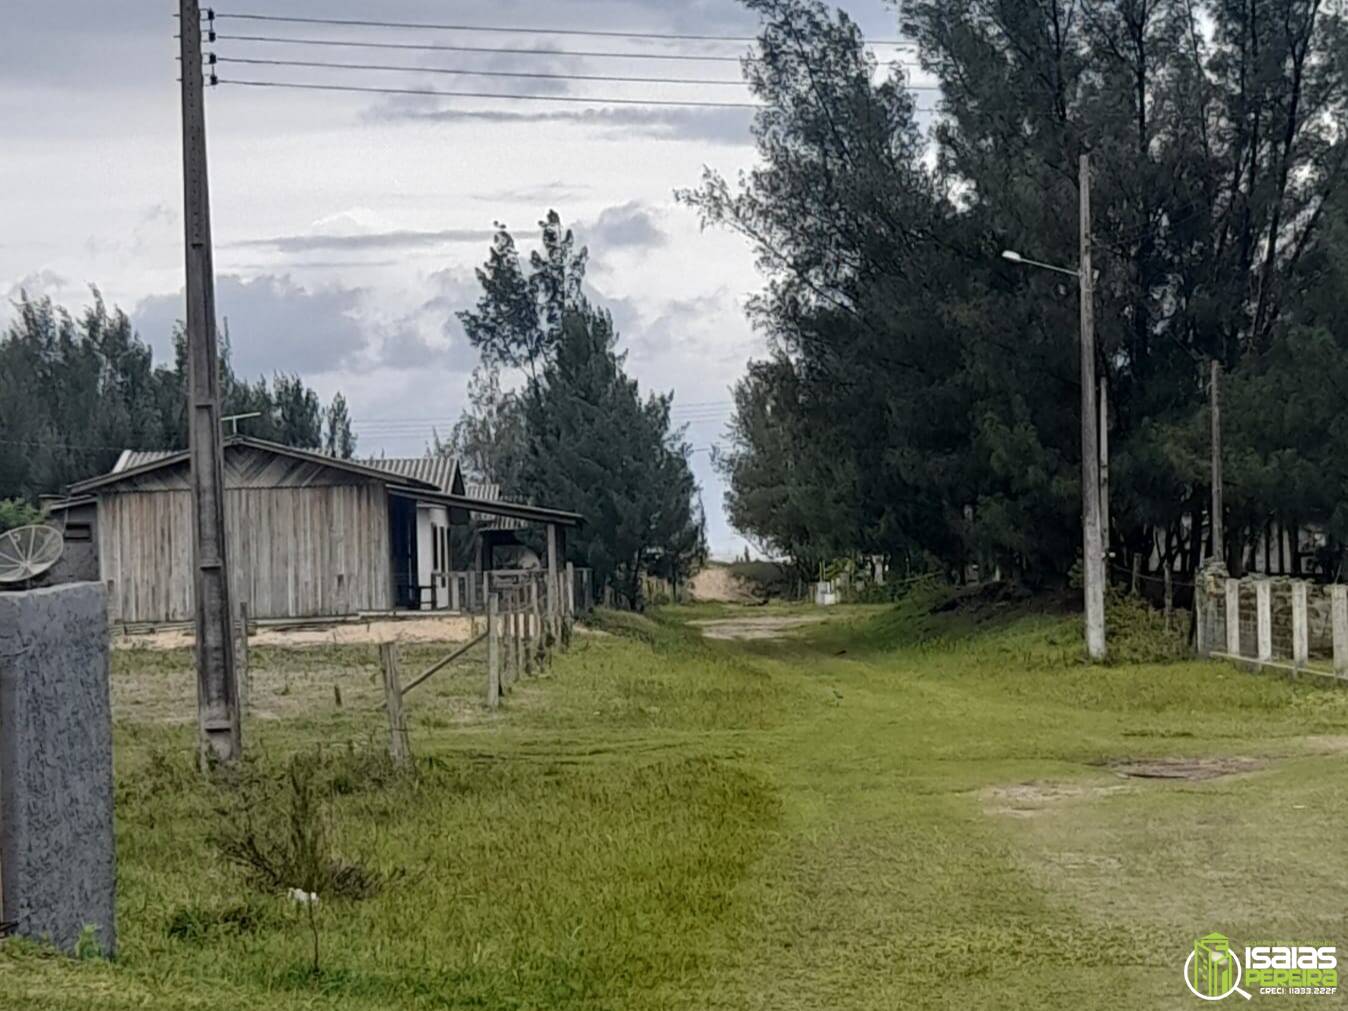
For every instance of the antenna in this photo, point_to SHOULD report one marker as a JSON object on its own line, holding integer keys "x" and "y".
{"x": 26, "y": 552}
{"x": 234, "y": 419}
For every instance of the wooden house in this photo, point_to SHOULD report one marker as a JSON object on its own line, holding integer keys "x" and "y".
{"x": 307, "y": 535}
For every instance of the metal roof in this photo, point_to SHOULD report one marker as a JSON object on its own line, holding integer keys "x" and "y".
{"x": 488, "y": 491}
{"x": 140, "y": 457}
{"x": 436, "y": 470}
{"x": 516, "y": 510}
{"x": 156, "y": 459}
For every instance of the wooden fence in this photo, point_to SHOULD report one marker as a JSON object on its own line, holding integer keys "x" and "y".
{"x": 469, "y": 590}
{"x": 1285, "y": 624}
{"x": 524, "y": 627}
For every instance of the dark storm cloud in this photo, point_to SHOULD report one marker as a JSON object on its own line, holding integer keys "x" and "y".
{"x": 396, "y": 239}
{"x": 275, "y": 325}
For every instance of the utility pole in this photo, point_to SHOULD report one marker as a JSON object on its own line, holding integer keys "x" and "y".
{"x": 1215, "y": 395}
{"x": 1104, "y": 463}
{"x": 217, "y": 687}
{"x": 1093, "y": 559}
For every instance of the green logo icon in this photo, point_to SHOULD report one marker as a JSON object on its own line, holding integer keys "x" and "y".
{"x": 1213, "y": 969}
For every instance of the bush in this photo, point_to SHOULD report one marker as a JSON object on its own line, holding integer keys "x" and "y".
{"x": 1137, "y": 632}
{"x": 15, "y": 512}
{"x": 276, "y": 831}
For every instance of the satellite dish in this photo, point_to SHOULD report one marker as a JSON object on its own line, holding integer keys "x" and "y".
{"x": 26, "y": 552}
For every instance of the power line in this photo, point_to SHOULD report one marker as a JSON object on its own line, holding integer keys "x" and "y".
{"x": 328, "y": 65}
{"x": 498, "y": 50}
{"x": 688, "y": 103}
{"x": 512, "y": 29}
{"x": 475, "y": 73}
{"x": 574, "y": 99}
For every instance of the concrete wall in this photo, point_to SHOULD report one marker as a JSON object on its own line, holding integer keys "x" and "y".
{"x": 57, "y": 856}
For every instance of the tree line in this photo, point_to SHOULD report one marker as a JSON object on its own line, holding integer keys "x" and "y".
{"x": 76, "y": 391}
{"x": 577, "y": 433}
{"x": 920, "y": 398}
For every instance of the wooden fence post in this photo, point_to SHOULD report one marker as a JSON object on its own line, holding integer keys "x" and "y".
{"x": 1301, "y": 647}
{"x": 493, "y": 651}
{"x": 1233, "y": 616}
{"x": 1338, "y": 611}
{"x": 517, "y": 623}
{"x": 536, "y": 617}
{"x": 1263, "y": 617}
{"x": 398, "y": 748}
{"x": 245, "y": 675}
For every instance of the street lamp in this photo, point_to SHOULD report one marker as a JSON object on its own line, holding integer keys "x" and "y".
{"x": 1094, "y": 452}
{"x": 1014, "y": 257}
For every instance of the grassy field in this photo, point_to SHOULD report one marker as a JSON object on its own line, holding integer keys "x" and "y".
{"x": 892, "y": 808}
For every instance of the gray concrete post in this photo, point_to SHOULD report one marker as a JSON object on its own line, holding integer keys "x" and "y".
{"x": 57, "y": 849}
{"x": 1301, "y": 650}
{"x": 1338, "y": 595}
{"x": 1233, "y": 617}
{"x": 1263, "y": 615}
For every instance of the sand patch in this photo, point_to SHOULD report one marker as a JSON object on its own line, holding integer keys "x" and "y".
{"x": 717, "y": 584}
{"x": 1026, "y": 800}
{"x": 760, "y": 627}
{"x": 440, "y": 628}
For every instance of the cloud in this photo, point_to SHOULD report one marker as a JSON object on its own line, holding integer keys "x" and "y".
{"x": 275, "y": 325}
{"x": 629, "y": 224}
{"x": 431, "y": 336}
{"x": 38, "y": 284}
{"x": 544, "y": 193}
{"x": 401, "y": 238}
{"x": 717, "y": 126}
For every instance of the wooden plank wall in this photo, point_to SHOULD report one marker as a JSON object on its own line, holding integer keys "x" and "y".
{"x": 305, "y": 551}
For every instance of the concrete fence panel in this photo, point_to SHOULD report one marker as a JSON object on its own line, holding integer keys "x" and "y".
{"x": 57, "y": 855}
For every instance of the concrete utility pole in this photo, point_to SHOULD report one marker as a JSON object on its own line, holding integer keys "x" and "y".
{"x": 217, "y": 687}
{"x": 1104, "y": 464}
{"x": 1215, "y": 395}
{"x": 1092, "y": 550}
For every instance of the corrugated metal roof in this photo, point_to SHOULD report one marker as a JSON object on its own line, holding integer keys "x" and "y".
{"x": 135, "y": 462}
{"x": 436, "y": 470}
{"x": 139, "y": 457}
{"x": 490, "y": 492}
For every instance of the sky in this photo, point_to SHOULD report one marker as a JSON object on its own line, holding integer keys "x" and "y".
{"x": 347, "y": 226}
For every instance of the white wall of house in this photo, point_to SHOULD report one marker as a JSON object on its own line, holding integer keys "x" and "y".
{"x": 433, "y": 561}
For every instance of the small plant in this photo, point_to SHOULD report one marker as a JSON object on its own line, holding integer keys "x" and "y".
{"x": 87, "y": 946}
{"x": 277, "y": 833}
{"x": 309, "y": 901}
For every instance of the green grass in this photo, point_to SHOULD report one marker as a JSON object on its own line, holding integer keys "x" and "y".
{"x": 890, "y": 809}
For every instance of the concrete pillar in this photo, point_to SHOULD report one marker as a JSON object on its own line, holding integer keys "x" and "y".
{"x": 1301, "y": 639}
{"x": 1201, "y": 609}
{"x": 57, "y": 850}
{"x": 1263, "y": 615}
{"x": 1339, "y": 618}
{"x": 1233, "y": 616}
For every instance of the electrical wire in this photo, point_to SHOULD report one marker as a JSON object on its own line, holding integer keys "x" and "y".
{"x": 499, "y": 50}
{"x": 328, "y": 65}
{"x": 584, "y": 100}
{"x": 512, "y": 29}
{"x": 476, "y": 73}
